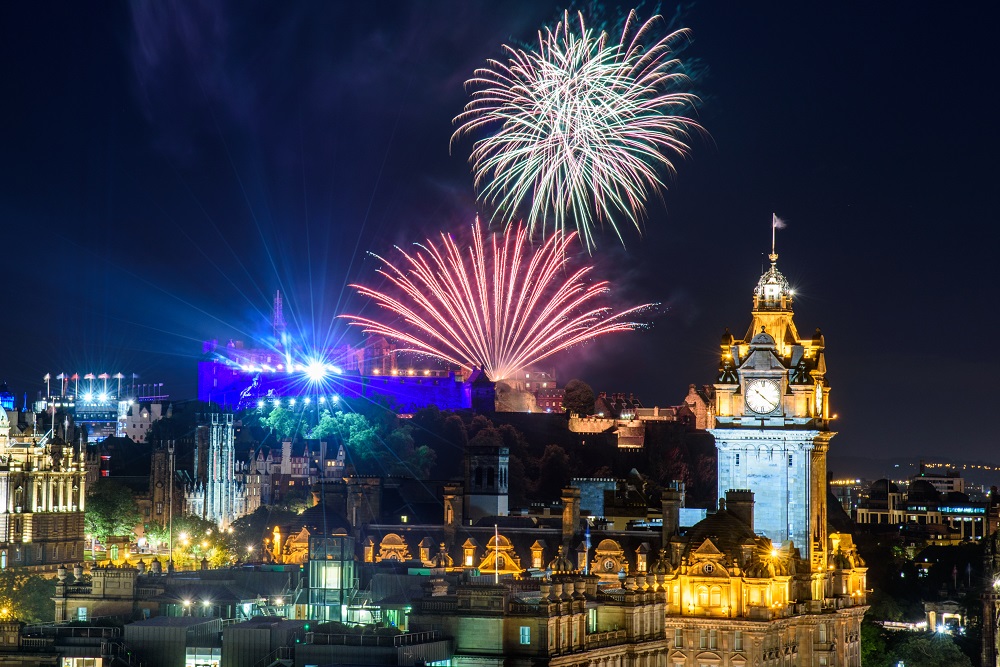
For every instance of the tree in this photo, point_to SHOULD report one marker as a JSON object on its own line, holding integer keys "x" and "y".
{"x": 554, "y": 472}
{"x": 250, "y": 530}
{"x": 111, "y": 511}
{"x": 284, "y": 423}
{"x": 579, "y": 398}
{"x": 922, "y": 650}
{"x": 26, "y": 597}
{"x": 873, "y": 645}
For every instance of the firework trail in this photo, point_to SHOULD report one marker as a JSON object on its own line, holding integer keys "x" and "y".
{"x": 577, "y": 132}
{"x": 500, "y": 304}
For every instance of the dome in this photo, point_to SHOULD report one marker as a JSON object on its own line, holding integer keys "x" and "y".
{"x": 881, "y": 488}
{"x": 955, "y": 497}
{"x": 561, "y": 563}
{"x": 922, "y": 491}
{"x": 772, "y": 286}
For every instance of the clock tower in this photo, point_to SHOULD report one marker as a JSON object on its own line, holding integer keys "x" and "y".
{"x": 771, "y": 422}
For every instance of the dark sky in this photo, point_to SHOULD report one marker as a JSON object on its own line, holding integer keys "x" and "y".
{"x": 166, "y": 166}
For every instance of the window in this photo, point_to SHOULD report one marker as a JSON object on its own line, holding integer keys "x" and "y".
{"x": 738, "y": 641}
{"x": 822, "y": 633}
{"x": 525, "y": 634}
{"x": 159, "y": 508}
{"x": 716, "y": 596}
{"x": 702, "y": 638}
{"x": 789, "y": 460}
{"x": 703, "y": 596}
{"x": 81, "y": 613}
{"x": 678, "y": 638}
{"x": 713, "y": 639}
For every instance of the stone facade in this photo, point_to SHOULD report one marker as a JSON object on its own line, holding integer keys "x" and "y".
{"x": 42, "y": 499}
{"x": 215, "y": 493}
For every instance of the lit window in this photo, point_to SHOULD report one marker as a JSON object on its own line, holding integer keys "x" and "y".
{"x": 738, "y": 641}
{"x": 525, "y": 634}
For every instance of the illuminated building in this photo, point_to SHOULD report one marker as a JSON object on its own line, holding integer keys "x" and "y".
{"x": 102, "y": 404}
{"x": 240, "y": 376}
{"x": 215, "y": 493}
{"x": 42, "y": 491}
{"x": 923, "y": 510}
{"x": 772, "y": 421}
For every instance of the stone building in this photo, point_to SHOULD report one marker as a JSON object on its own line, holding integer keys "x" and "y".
{"x": 42, "y": 490}
{"x": 214, "y": 492}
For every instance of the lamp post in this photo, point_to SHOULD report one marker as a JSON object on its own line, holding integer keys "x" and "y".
{"x": 170, "y": 510}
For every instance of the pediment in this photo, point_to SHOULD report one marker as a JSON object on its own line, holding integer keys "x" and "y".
{"x": 707, "y": 549}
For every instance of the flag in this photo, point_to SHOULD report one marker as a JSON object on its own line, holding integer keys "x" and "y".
{"x": 776, "y": 222}
{"x": 47, "y": 377}
{"x": 61, "y": 376}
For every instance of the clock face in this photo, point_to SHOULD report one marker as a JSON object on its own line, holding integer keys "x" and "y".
{"x": 763, "y": 396}
{"x": 609, "y": 565}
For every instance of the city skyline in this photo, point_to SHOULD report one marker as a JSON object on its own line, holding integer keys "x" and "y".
{"x": 169, "y": 167}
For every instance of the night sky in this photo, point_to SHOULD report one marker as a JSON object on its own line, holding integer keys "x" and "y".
{"x": 166, "y": 166}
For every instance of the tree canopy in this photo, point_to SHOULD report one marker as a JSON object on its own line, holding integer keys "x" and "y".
{"x": 26, "y": 597}
{"x": 111, "y": 511}
{"x": 579, "y": 398}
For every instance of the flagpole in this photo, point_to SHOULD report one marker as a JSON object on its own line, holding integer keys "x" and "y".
{"x": 496, "y": 554}
{"x": 774, "y": 226}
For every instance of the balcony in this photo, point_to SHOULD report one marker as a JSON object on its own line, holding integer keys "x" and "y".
{"x": 609, "y": 638}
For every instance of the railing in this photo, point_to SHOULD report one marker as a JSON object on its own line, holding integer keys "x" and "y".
{"x": 280, "y": 653}
{"x": 428, "y": 605}
{"x": 407, "y": 639}
{"x": 609, "y": 638}
{"x": 411, "y": 638}
{"x": 118, "y": 649}
{"x": 37, "y": 642}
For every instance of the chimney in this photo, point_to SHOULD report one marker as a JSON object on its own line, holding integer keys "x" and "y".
{"x": 740, "y": 503}
{"x": 571, "y": 513}
{"x": 671, "y": 499}
{"x": 453, "y": 506}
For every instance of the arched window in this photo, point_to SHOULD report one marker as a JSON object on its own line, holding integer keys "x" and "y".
{"x": 703, "y": 596}
{"x": 716, "y": 596}
{"x": 478, "y": 483}
{"x": 490, "y": 478}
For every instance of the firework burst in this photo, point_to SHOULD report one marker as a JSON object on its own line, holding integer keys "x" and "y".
{"x": 500, "y": 304}
{"x": 578, "y": 132}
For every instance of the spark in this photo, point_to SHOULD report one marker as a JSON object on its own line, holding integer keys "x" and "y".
{"x": 578, "y": 131}
{"x": 499, "y": 304}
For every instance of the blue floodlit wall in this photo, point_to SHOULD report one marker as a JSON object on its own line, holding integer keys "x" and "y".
{"x": 231, "y": 386}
